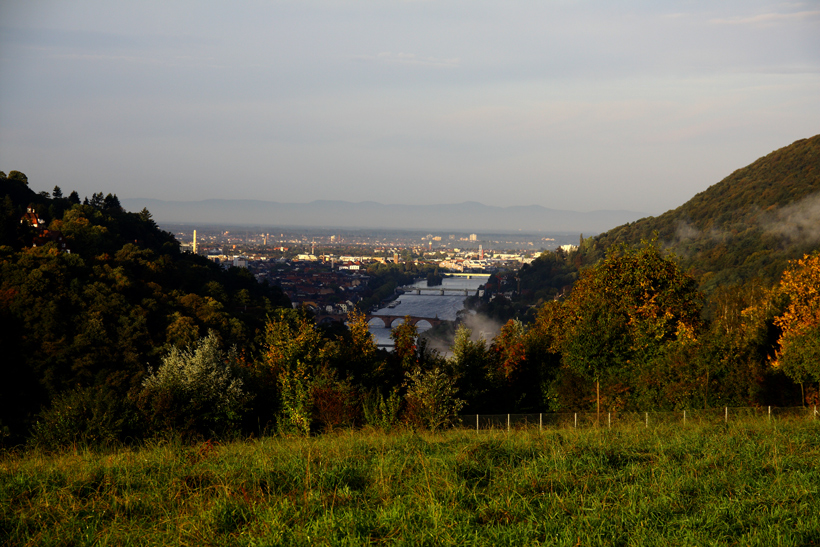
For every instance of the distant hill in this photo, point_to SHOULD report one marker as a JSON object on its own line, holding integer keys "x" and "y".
{"x": 464, "y": 217}
{"x": 747, "y": 225}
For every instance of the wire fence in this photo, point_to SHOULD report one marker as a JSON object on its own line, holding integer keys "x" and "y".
{"x": 557, "y": 420}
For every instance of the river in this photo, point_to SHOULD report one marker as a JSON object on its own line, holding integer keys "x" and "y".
{"x": 428, "y": 304}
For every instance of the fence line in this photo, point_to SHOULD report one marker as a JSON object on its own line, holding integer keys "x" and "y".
{"x": 575, "y": 420}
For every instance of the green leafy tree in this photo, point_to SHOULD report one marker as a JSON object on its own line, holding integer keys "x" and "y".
{"x": 623, "y": 314}
{"x": 471, "y": 363}
{"x": 18, "y": 176}
{"x": 543, "y": 351}
{"x": 294, "y": 354}
{"x": 358, "y": 355}
{"x": 404, "y": 343}
{"x": 728, "y": 364}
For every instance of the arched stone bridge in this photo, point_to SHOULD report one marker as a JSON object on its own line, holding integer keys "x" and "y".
{"x": 386, "y": 319}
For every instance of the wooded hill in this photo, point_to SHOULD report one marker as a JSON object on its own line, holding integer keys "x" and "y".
{"x": 749, "y": 225}
{"x": 92, "y": 295}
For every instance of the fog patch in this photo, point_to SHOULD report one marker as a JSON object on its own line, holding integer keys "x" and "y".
{"x": 481, "y": 327}
{"x": 799, "y": 221}
{"x": 686, "y": 231}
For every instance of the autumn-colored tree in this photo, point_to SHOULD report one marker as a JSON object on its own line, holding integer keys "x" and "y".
{"x": 624, "y": 312}
{"x": 799, "y": 345}
{"x": 517, "y": 376}
{"x": 509, "y": 349}
{"x": 543, "y": 351}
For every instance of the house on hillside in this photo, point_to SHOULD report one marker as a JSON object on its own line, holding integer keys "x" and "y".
{"x": 32, "y": 219}
{"x": 43, "y": 235}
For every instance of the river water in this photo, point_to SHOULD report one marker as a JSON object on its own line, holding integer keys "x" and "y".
{"x": 428, "y": 304}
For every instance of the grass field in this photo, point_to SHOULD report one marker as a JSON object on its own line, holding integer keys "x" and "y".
{"x": 746, "y": 483}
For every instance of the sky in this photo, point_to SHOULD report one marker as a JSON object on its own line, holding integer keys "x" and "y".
{"x": 576, "y": 105}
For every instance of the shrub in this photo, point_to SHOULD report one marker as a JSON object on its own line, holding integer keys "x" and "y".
{"x": 85, "y": 416}
{"x": 381, "y": 412}
{"x": 431, "y": 398}
{"x": 335, "y": 402}
{"x": 194, "y": 392}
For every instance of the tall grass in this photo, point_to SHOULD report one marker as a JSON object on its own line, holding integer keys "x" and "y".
{"x": 747, "y": 483}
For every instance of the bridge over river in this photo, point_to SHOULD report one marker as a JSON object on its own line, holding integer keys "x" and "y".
{"x": 386, "y": 319}
{"x": 441, "y": 291}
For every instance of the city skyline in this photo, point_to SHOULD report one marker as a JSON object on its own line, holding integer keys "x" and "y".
{"x": 578, "y": 106}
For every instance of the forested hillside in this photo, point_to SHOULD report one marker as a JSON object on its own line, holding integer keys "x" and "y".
{"x": 92, "y": 295}
{"x": 749, "y": 225}
{"x": 110, "y": 334}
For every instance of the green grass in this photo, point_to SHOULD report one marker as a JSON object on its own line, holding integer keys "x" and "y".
{"x": 749, "y": 483}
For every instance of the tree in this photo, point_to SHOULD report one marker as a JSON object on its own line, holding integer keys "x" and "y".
{"x": 358, "y": 349}
{"x": 508, "y": 348}
{"x": 624, "y": 312}
{"x": 97, "y": 200}
{"x": 112, "y": 203}
{"x": 294, "y": 354}
{"x": 470, "y": 362}
{"x": 404, "y": 343}
{"x": 728, "y": 364}
{"x": 799, "y": 344}
{"x": 17, "y": 175}
{"x": 543, "y": 351}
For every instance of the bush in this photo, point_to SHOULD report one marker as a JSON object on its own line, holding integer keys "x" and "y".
{"x": 431, "y": 398}
{"x": 194, "y": 392}
{"x": 335, "y": 402}
{"x": 381, "y": 412}
{"x": 85, "y": 416}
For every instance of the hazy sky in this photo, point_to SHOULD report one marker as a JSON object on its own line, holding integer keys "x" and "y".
{"x": 578, "y": 105}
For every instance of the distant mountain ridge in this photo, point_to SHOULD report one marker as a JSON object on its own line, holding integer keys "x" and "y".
{"x": 748, "y": 225}
{"x": 468, "y": 216}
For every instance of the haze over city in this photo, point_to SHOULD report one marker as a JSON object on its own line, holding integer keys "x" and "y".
{"x": 568, "y": 105}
